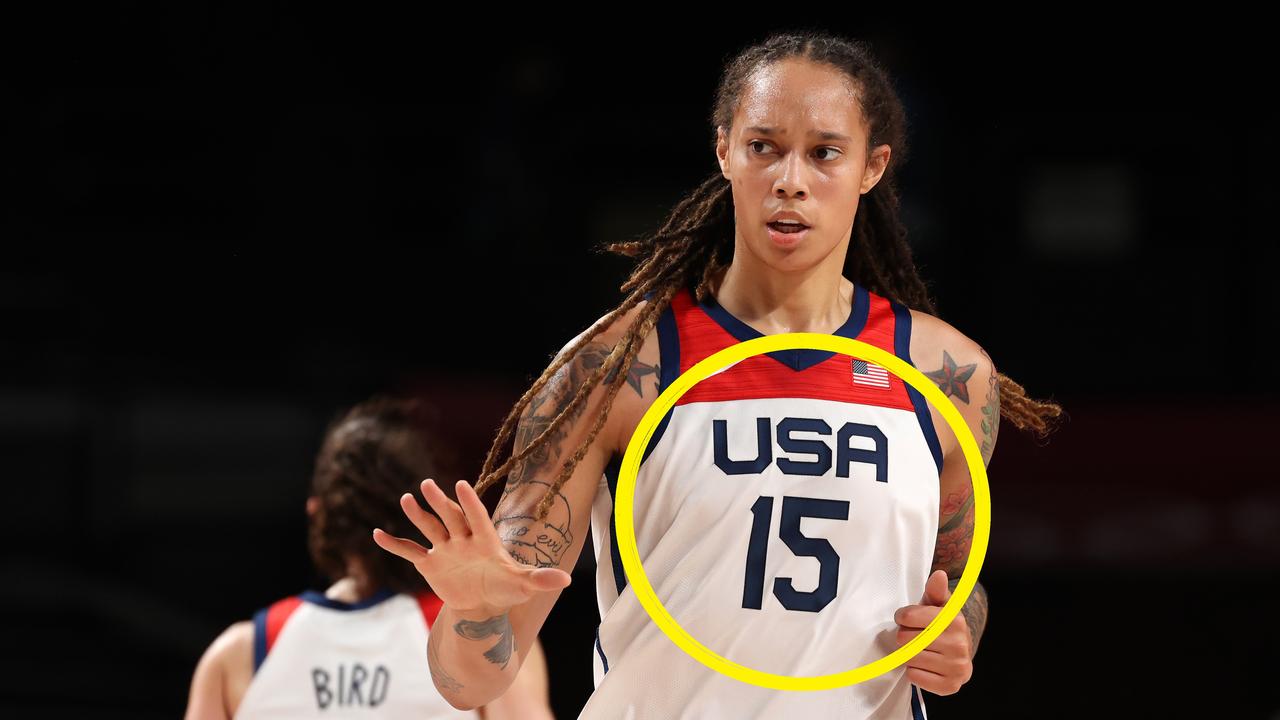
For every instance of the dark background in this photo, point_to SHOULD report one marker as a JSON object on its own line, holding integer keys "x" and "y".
{"x": 224, "y": 225}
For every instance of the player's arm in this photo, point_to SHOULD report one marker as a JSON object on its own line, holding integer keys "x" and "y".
{"x": 528, "y": 697}
{"x": 500, "y": 582}
{"x": 966, "y": 375}
{"x": 222, "y": 675}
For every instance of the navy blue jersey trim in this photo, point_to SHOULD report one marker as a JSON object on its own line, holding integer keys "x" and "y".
{"x": 611, "y": 475}
{"x": 917, "y": 712}
{"x": 902, "y": 348}
{"x": 669, "y": 370}
{"x": 668, "y": 367}
{"x": 604, "y": 660}
{"x": 259, "y": 638}
{"x": 794, "y": 359}
{"x": 668, "y": 348}
{"x": 318, "y": 598}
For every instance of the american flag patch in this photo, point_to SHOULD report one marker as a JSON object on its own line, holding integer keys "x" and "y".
{"x": 865, "y": 373}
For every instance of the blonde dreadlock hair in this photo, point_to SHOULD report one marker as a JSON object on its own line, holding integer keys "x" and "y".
{"x": 695, "y": 244}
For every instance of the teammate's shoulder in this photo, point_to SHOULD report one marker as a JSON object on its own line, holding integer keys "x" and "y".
{"x": 933, "y": 340}
{"x": 234, "y": 642}
{"x": 230, "y": 654}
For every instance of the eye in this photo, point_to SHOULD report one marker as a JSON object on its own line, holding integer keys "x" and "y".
{"x": 835, "y": 150}
{"x": 756, "y": 142}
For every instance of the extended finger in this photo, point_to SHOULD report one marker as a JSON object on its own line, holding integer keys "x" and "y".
{"x": 446, "y": 509}
{"x": 427, "y": 523}
{"x": 473, "y": 508}
{"x": 407, "y": 549}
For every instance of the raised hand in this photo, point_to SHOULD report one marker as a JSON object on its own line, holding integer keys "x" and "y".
{"x": 466, "y": 565}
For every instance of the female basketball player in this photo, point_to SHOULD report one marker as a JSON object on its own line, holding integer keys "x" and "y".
{"x": 801, "y": 512}
{"x": 358, "y": 646}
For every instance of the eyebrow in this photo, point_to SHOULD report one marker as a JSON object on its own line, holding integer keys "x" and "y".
{"x": 822, "y": 134}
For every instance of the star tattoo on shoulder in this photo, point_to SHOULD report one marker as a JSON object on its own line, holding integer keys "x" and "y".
{"x": 952, "y": 378}
{"x": 637, "y": 372}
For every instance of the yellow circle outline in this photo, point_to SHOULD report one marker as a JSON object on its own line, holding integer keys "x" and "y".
{"x": 757, "y": 346}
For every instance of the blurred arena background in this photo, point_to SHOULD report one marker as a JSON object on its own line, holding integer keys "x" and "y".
{"x": 224, "y": 225}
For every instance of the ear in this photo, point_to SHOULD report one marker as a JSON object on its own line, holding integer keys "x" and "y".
{"x": 877, "y": 163}
{"x": 722, "y": 151}
{"x": 313, "y": 505}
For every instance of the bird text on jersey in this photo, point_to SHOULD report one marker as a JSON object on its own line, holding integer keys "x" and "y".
{"x": 347, "y": 687}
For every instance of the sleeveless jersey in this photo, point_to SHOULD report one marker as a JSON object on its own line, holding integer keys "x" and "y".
{"x": 318, "y": 657}
{"x": 785, "y": 507}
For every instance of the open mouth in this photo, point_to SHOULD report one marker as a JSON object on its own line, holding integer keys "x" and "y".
{"x": 787, "y": 228}
{"x": 787, "y": 235}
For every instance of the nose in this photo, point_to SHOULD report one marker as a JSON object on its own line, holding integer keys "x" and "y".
{"x": 791, "y": 180}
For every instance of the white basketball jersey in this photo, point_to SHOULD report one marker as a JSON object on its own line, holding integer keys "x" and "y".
{"x": 785, "y": 508}
{"x": 315, "y": 657}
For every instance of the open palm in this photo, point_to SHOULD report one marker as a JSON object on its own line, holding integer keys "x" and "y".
{"x": 466, "y": 566}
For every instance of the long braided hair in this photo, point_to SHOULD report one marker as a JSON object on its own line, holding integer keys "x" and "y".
{"x": 695, "y": 245}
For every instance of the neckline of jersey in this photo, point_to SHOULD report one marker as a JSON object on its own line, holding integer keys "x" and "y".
{"x": 316, "y": 597}
{"x": 794, "y": 359}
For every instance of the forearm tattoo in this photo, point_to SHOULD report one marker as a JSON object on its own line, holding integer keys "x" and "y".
{"x": 975, "y": 613}
{"x": 540, "y": 543}
{"x": 439, "y": 676}
{"x": 499, "y": 625}
{"x": 952, "y": 379}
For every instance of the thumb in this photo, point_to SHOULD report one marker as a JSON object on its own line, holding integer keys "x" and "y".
{"x": 936, "y": 591}
{"x": 544, "y": 579}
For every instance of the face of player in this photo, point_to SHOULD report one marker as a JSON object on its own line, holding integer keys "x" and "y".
{"x": 798, "y": 143}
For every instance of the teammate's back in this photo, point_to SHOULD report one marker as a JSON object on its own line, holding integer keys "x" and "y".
{"x": 315, "y": 655}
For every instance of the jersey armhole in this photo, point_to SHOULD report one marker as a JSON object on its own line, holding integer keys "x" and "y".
{"x": 267, "y": 624}
{"x": 668, "y": 371}
{"x": 902, "y": 348}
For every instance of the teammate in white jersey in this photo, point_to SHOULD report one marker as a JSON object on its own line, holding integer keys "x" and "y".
{"x": 801, "y": 512}
{"x": 356, "y": 650}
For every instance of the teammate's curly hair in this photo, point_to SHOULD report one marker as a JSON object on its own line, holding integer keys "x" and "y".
{"x": 695, "y": 244}
{"x": 372, "y": 454}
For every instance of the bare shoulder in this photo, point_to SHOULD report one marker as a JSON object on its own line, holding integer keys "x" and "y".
{"x": 640, "y": 387}
{"x": 934, "y": 340}
{"x": 223, "y": 673}
{"x": 964, "y": 372}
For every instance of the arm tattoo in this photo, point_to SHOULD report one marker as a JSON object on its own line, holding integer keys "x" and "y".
{"x": 990, "y": 414}
{"x": 955, "y": 534}
{"x": 952, "y": 378}
{"x": 498, "y": 625}
{"x": 439, "y": 676}
{"x": 636, "y": 373}
{"x": 530, "y": 541}
{"x": 975, "y": 613}
{"x": 546, "y": 406}
{"x": 543, "y": 544}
